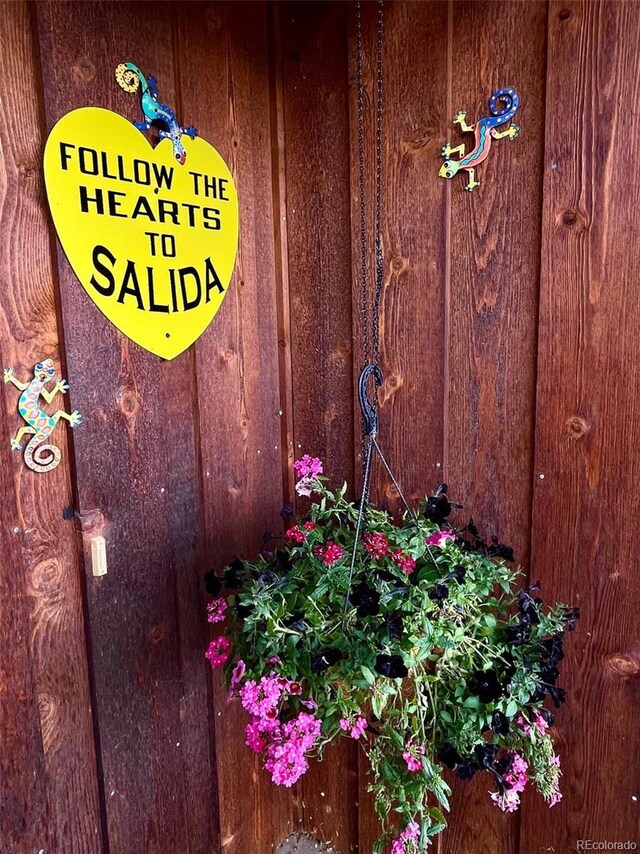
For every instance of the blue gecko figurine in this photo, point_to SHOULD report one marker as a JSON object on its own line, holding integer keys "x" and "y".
{"x": 130, "y": 78}
{"x": 486, "y": 129}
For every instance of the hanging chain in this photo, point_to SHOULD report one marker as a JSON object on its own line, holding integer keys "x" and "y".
{"x": 378, "y": 193}
{"x": 370, "y": 320}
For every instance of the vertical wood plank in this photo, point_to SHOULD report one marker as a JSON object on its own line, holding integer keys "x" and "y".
{"x": 137, "y": 485}
{"x": 49, "y": 796}
{"x": 314, "y": 55}
{"x": 414, "y": 224}
{"x": 586, "y": 458}
{"x": 414, "y": 236}
{"x": 240, "y": 410}
{"x": 492, "y": 318}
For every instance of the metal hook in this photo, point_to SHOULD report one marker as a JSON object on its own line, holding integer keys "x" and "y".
{"x": 369, "y": 410}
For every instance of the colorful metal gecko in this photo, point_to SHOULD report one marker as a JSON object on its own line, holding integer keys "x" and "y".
{"x": 130, "y": 78}
{"x": 39, "y": 422}
{"x": 485, "y": 129}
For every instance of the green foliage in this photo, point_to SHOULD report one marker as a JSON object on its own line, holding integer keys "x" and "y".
{"x": 447, "y": 620}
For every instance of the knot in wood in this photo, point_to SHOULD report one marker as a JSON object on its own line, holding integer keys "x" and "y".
{"x": 577, "y": 427}
{"x": 128, "y": 401}
{"x": 574, "y": 218}
{"x": 47, "y": 577}
{"x": 399, "y": 264}
{"x": 624, "y": 665}
{"x": 564, "y": 14}
{"x": 84, "y": 70}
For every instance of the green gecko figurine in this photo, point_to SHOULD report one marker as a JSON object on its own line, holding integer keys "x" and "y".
{"x": 39, "y": 422}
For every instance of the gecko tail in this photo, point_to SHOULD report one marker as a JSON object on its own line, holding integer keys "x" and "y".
{"x": 504, "y": 102}
{"x": 129, "y": 77}
{"x": 41, "y": 458}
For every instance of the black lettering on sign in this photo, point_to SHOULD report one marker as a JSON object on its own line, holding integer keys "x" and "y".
{"x": 212, "y": 280}
{"x": 88, "y": 160}
{"x": 212, "y": 218}
{"x": 153, "y": 306}
{"x": 114, "y": 204}
{"x": 133, "y": 289}
{"x": 64, "y": 156}
{"x": 183, "y": 272}
{"x": 86, "y": 200}
{"x": 143, "y": 208}
{"x": 108, "y": 289}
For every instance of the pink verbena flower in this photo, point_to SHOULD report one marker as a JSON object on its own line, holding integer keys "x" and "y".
{"x": 539, "y": 723}
{"x": 310, "y": 526}
{"x": 377, "y": 545}
{"x": 509, "y": 801}
{"x": 404, "y": 561}
{"x": 296, "y": 535}
{"x": 255, "y": 739}
{"x": 330, "y": 553}
{"x": 355, "y": 728}
{"x": 216, "y": 609}
{"x": 218, "y": 651}
{"x": 411, "y": 756}
{"x": 236, "y": 677}
{"x": 308, "y": 466}
{"x": 556, "y": 797}
{"x": 440, "y": 538}
{"x": 259, "y": 698}
{"x": 407, "y": 842}
{"x": 517, "y": 776}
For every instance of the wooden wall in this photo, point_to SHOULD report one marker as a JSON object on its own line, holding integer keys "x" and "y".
{"x": 509, "y": 342}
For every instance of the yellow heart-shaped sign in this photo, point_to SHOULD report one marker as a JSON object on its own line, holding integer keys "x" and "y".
{"x": 153, "y": 241}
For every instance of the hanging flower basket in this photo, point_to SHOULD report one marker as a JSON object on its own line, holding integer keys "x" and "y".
{"x": 417, "y": 643}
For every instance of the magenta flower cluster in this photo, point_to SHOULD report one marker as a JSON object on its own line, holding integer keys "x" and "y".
{"x": 440, "y": 538}
{"x": 308, "y": 466}
{"x": 285, "y": 745}
{"x": 329, "y": 553}
{"x": 407, "y": 842}
{"x": 356, "y": 728}
{"x": 218, "y": 651}
{"x": 377, "y": 545}
{"x": 516, "y": 780}
{"x": 412, "y": 755}
{"x": 216, "y": 610}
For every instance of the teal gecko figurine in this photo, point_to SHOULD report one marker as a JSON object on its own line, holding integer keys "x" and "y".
{"x": 130, "y": 78}
{"x": 37, "y": 455}
{"x": 486, "y": 129}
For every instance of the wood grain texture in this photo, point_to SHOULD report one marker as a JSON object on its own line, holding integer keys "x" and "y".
{"x": 492, "y": 318}
{"x": 238, "y": 378}
{"x": 586, "y": 505}
{"x": 137, "y": 485}
{"x": 413, "y": 234}
{"x": 42, "y": 624}
{"x": 314, "y": 56}
{"x": 414, "y": 243}
{"x": 183, "y": 465}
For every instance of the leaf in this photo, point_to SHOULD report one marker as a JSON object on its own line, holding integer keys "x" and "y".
{"x": 368, "y": 674}
{"x": 512, "y": 708}
{"x": 446, "y": 716}
{"x": 472, "y": 703}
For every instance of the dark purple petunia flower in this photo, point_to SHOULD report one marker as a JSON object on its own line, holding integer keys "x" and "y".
{"x": 392, "y": 666}
{"x": 485, "y": 685}
{"x": 212, "y": 583}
